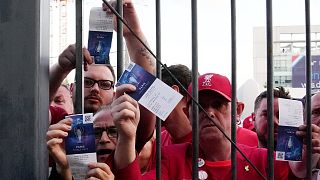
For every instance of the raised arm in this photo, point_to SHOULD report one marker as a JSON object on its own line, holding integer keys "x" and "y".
{"x": 137, "y": 52}
{"x": 55, "y": 143}
{"x": 126, "y": 116}
{"x": 66, "y": 63}
{"x": 139, "y": 55}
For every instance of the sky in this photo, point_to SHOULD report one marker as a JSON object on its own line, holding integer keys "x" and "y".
{"x": 214, "y": 34}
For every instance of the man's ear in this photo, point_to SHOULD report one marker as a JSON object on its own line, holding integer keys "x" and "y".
{"x": 253, "y": 117}
{"x": 176, "y": 88}
{"x": 186, "y": 111}
{"x": 240, "y": 108}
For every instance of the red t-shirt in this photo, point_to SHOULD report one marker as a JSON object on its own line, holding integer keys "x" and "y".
{"x": 177, "y": 164}
{"x": 246, "y": 137}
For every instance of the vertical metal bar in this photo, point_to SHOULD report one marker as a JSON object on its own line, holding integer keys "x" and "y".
{"x": 270, "y": 89}
{"x": 234, "y": 89}
{"x": 308, "y": 88}
{"x": 79, "y": 59}
{"x": 158, "y": 67}
{"x": 119, "y": 40}
{"x": 195, "y": 109}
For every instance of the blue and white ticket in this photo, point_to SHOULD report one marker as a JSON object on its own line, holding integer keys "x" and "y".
{"x": 100, "y": 35}
{"x": 80, "y": 144}
{"x": 289, "y": 145}
{"x": 151, "y": 92}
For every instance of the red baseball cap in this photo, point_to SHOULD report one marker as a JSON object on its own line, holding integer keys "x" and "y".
{"x": 247, "y": 123}
{"x": 214, "y": 82}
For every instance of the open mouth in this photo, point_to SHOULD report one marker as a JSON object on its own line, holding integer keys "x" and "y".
{"x": 104, "y": 151}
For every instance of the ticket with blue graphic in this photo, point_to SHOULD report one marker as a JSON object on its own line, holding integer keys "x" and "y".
{"x": 100, "y": 35}
{"x": 80, "y": 144}
{"x": 150, "y": 92}
{"x": 289, "y": 145}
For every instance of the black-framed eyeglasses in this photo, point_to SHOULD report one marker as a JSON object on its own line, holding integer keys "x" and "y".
{"x": 112, "y": 132}
{"x": 103, "y": 84}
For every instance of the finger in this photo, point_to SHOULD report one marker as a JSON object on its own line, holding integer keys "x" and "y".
{"x": 316, "y": 150}
{"x": 69, "y": 54}
{"x": 102, "y": 166}
{"x": 64, "y": 125}
{"x": 105, "y": 7}
{"x": 302, "y": 128}
{"x": 87, "y": 56}
{"x": 72, "y": 48}
{"x": 56, "y": 134}
{"x": 124, "y": 114}
{"x": 92, "y": 178}
{"x": 99, "y": 173}
{"x": 124, "y": 99}
{"x": 301, "y": 134}
{"x": 124, "y": 106}
{"x": 315, "y": 143}
{"x": 315, "y": 128}
{"x": 53, "y": 143}
{"x": 67, "y": 121}
{"x": 120, "y": 90}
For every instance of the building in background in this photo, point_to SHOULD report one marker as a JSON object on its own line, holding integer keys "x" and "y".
{"x": 288, "y": 57}
{"x": 62, "y": 26}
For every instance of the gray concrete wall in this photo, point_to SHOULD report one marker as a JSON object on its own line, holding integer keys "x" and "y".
{"x": 24, "y": 65}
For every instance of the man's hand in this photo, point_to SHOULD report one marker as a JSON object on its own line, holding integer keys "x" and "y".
{"x": 129, "y": 15}
{"x": 55, "y": 144}
{"x": 125, "y": 112}
{"x": 126, "y": 115}
{"x": 99, "y": 171}
{"x": 67, "y": 59}
{"x": 315, "y": 136}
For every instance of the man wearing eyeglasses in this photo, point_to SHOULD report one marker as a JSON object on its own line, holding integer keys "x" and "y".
{"x": 106, "y": 136}
{"x": 94, "y": 95}
{"x": 98, "y": 85}
{"x": 105, "y": 132}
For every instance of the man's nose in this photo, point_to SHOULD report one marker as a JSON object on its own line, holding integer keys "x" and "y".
{"x": 95, "y": 87}
{"x": 104, "y": 137}
{"x": 209, "y": 111}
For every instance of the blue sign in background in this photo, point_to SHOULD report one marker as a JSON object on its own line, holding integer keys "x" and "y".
{"x": 299, "y": 72}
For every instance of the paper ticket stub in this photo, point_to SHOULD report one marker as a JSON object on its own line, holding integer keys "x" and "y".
{"x": 100, "y": 35}
{"x": 289, "y": 145}
{"x": 150, "y": 92}
{"x": 80, "y": 144}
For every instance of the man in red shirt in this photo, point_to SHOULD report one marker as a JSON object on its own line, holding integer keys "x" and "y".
{"x": 259, "y": 116}
{"x": 178, "y": 127}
